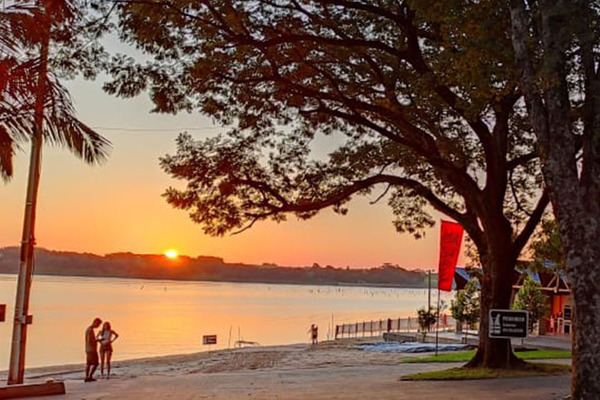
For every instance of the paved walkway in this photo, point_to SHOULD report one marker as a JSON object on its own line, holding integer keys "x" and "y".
{"x": 296, "y": 372}
{"x": 546, "y": 342}
{"x": 328, "y": 383}
{"x": 542, "y": 342}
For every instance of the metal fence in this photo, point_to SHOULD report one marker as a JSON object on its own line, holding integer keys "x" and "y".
{"x": 372, "y": 328}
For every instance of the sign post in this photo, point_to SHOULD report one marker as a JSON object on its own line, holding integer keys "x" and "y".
{"x": 209, "y": 340}
{"x": 2, "y": 312}
{"x": 507, "y": 324}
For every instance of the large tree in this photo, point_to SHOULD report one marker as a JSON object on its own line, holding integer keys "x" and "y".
{"x": 556, "y": 44}
{"x": 423, "y": 105}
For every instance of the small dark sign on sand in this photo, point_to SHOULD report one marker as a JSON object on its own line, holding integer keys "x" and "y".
{"x": 2, "y": 312}
{"x": 209, "y": 339}
{"x": 508, "y": 323}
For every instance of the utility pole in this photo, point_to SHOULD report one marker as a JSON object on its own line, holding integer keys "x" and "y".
{"x": 22, "y": 318}
{"x": 428, "y": 290}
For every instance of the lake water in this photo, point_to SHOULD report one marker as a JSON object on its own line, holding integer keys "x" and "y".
{"x": 165, "y": 317}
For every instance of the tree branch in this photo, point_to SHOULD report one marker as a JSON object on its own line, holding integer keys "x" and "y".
{"x": 522, "y": 160}
{"x": 536, "y": 216}
{"x": 346, "y": 192}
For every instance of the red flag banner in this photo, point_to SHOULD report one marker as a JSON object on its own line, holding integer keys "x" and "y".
{"x": 450, "y": 240}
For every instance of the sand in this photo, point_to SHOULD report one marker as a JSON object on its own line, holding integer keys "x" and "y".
{"x": 327, "y": 371}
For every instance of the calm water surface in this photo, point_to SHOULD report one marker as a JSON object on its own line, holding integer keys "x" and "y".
{"x": 165, "y": 317}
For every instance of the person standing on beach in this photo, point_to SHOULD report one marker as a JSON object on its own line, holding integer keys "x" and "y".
{"x": 91, "y": 350}
{"x": 314, "y": 333}
{"x": 106, "y": 336}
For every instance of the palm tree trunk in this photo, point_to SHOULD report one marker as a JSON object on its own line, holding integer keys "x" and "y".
{"x": 26, "y": 264}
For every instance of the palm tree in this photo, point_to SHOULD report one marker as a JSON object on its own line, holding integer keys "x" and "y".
{"x": 34, "y": 105}
{"x": 21, "y": 30}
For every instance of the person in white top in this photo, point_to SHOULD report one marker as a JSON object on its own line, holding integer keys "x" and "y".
{"x": 106, "y": 337}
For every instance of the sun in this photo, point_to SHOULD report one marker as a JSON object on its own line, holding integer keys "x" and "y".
{"x": 172, "y": 254}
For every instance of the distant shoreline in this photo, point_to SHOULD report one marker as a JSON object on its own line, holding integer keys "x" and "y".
{"x": 208, "y": 269}
{"x": 341, "y": 284}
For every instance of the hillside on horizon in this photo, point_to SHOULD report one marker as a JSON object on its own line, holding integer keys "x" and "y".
{"x": 205, "y": 268}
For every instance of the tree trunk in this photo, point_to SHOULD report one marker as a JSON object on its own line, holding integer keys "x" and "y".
{"x": 573, "y": 183}
{"x": 586, "y": 346}
{"x": 498, "y": 261}
{"x": 580, "y": 228}
{"x": 496, "y": 288}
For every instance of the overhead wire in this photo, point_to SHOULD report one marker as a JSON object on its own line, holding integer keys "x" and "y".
{"x": 156, "y": 129}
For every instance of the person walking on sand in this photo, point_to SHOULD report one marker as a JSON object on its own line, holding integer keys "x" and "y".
{"x": 106, "y": 337}
{"x": 91, "y": 350}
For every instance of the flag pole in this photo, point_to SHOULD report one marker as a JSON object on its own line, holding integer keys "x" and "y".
{"x": 437, "y": 325}
{"x": 429, "y": 290}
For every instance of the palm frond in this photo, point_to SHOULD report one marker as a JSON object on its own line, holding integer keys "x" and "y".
{"x": 20, "y": 29}
{"x": 18, "y": 26}
{"x": 62, "y": 128}
{"x": 7, "y": 152}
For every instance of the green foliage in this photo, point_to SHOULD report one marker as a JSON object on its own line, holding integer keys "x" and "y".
{"x": 427, "y": 319}
{"x": 464, "y": 356}
{"x": 547, "y": 247}
{"x": 466, "y": 307}
{"x": 530, "y": 298}
{"x": 528, "y": 370}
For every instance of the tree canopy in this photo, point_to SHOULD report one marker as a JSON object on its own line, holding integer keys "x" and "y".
{"x": 424, "y": 107}
{"x": 548, "y": 251}
{"x": 466, "y": 307}
{"x": 531, "y": 299}
{"x": 21, "y": 35}
{"x": 423, "y": 112}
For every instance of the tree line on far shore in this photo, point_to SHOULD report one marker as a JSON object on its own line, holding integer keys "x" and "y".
{"x": 205, "y": 268}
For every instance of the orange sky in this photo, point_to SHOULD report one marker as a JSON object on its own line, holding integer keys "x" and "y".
{"x": 118, "y": 206}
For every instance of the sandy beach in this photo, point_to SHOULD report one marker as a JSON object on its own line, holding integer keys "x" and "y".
{"x": 332, "y": 370}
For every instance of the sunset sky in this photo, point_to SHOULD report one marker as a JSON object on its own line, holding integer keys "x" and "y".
{"x": 118, "y": 206}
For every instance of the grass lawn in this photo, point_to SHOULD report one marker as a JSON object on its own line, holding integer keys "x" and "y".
{"x": 530, "y": 369}
{"x": 464, "y": 356}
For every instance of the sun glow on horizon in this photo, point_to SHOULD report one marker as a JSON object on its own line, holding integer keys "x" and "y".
{"x": 172, "y": 254}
